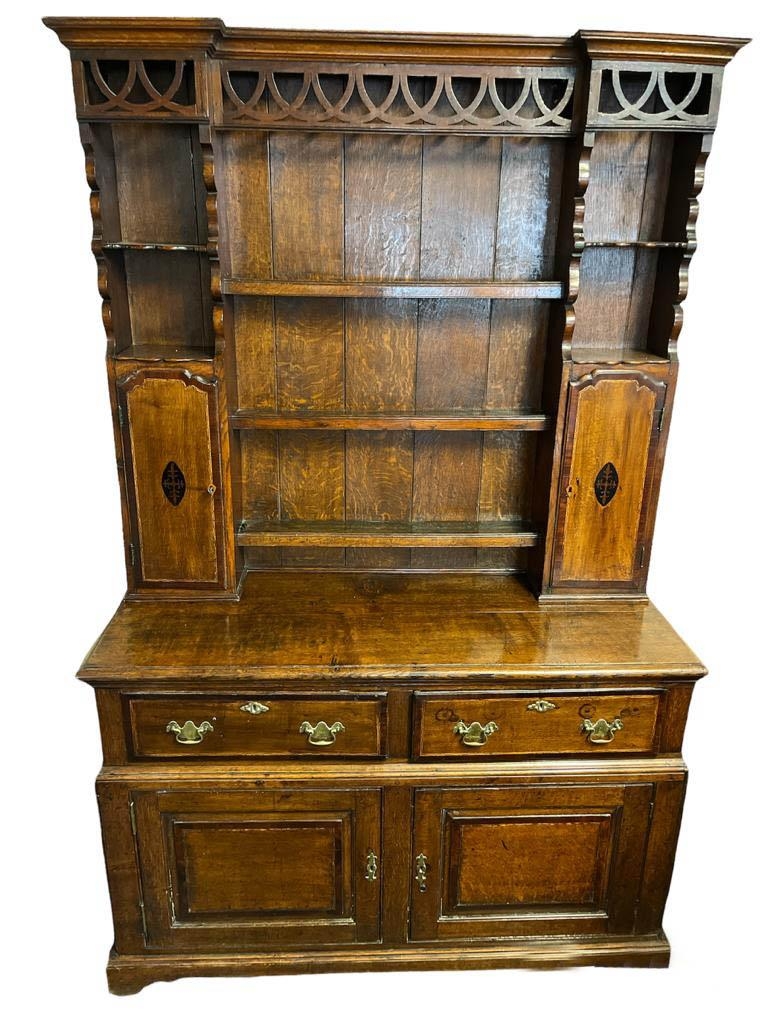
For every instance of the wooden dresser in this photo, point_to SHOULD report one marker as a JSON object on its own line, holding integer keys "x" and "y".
{"x": 392, "y": 331}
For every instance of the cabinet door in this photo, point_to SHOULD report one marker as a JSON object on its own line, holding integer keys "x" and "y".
{"x": 528, "y": 860}
{"x": 173, "y": 477}
{"x": 608, "y": 481}
{"x": 238, "y": 870}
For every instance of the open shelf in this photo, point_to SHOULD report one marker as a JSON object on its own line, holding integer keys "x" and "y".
{"x": 395, "y": 289}
{"x": 254, "y": 419}
{"x": 332, "y": 534}
{"x": 635, "y": 245}
{"x": 161, "y": 353}
{"x": 153, "y": 247}
{"x": 625, "y": 356}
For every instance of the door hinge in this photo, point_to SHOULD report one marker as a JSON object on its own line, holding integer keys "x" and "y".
{"x": 132, "y": 812}
{"x": 120, "y": 418}
{"x": 132, "y": 554}
{"x": 144, "y": 931}
{"x": 661, "y": 418}
{"x": 642, "y": 555}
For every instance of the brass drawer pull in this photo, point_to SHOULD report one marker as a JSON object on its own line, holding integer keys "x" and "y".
{"x": 371, "y": 867}
{"x": 189, "y": 733}
{"x": 254, "y": 707}
{"x": 475, "y": 735}
{"x": 322, "y": 734}
{"x": 601, "y": 731}
{"x": 422, "y": 866}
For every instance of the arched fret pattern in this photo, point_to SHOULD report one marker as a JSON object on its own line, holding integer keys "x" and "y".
{"x": 421, "y": 98}
{"x": 138, "y": 87}
{"x": 654, "y": 96}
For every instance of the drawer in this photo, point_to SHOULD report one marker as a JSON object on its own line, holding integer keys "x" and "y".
{"x": 536, "y": 724}
{"x": 255, "y": 724}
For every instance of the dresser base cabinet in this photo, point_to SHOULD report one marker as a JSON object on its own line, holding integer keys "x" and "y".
{"x": 392, "y": 328}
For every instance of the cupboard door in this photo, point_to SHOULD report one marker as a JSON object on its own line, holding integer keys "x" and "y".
{"x": 607, "y": 481}
{"x": 239, "y": 870}
{"x": 173, "y": 476}
{"x": 527, "y": 860}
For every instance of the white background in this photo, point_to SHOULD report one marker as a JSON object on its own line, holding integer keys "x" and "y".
{"x": 63, "y": 575}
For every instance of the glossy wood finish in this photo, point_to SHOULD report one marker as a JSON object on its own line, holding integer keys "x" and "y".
{"x": 264, "y": 725}
{"x": 535, "y": 726}
{"x": 389, "y": 320}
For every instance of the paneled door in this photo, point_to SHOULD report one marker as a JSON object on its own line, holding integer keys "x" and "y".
{"x": 608, "y": 481}
{"x": 173, "y": 479}
{"x": 527, "y": 860}
{"x": 234, "y": 869}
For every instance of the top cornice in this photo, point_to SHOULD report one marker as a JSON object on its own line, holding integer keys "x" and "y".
{"x": 212, "y": 36}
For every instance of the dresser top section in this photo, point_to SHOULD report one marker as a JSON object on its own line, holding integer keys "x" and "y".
{"x": 212, "y": 36}
{"x": 325, "y": 625}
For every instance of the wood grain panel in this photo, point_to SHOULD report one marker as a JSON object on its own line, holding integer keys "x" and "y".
{"x": 311, "y": 474}
{"x": 529, "y": 203}
{"x": 255, "y": 353}
{"x": 380, "y": 355}
{"x": 452, "y": 363}
{"x": 517, "y": 347}
{"x": 309, "y": 342}
{"x": 446, "y": 480}
{"x": 307, "y": 205}
{"x": 379, "y": 477}
{"x": 260, "y": 474}
{"x": 382, "y": 194}
{"x": 459, "y": 207}
{"x": 242, "y": 178}
{"x": 541, "y": 861}
{"x": 146, "y": 155}
{"x": 216, "y": 862}
{"x": 507, "y": 475}
{"x": 613, "y": 422}
{"x": 168, "y": 298}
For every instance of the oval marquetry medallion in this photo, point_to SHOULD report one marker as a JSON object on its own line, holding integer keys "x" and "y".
{"x": 606, "y": 484}
{"x": 173, "y": 483}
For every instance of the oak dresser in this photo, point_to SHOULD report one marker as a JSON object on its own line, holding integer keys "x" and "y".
{"x": 392, "y": 331}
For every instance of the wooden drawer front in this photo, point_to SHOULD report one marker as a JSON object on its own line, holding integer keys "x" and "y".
{"x": 527, "y": 860}
{"x": 233, "y": 869}
{"x": 461, "y": 725}
{"x": 257, "y": 725}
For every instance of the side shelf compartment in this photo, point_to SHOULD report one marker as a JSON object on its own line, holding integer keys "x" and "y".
{"x": 608, "y": 481}
{"x": 172, "y": 460}
{"x": 236, "y": 869}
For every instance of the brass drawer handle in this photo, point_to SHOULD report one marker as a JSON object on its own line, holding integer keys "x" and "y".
{"x": 322, "y": 734}
{"x": 475, "y": 735}
{"x": 254, "y": 707}
{"x": 601, "y": 731}
{"x": 422, "y": 866}
{"x": 189, "y": 733}
{"x": 371, "y": 867}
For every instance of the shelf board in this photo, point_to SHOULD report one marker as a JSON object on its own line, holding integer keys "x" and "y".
{"x": 255, "y": 419}
{"x": 635, "y": 245}
{"x": 152, "y": 247}
{"x": 396, "y": 289}
{"x": 163, "y": 354}
{"x": 334, "y": 534}
{"x": 622, "y": 357}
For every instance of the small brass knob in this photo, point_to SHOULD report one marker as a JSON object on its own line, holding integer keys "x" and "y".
{"x": 601, "y": 731}
{"x": 322, "y": 734}
{"x": 475, "y": 735}
{"x": 189, "y": 733}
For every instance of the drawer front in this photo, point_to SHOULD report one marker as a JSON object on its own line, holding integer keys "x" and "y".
{"x": 256, "y": 725}
{"x": 462, "y": 725}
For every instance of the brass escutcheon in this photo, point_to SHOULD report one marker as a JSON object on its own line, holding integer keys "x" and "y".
{"x": 422, "y": 866}
{"x": 254, "y": 707}
{"x": 371, "y": 867}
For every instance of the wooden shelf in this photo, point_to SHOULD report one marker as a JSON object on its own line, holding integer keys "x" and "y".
{"x": 625, "y": 356}
{"x": 636, "y": 245}
{"x": 396, "y": 289}
{"x": 163, "y": 354}
{"x": 254, "y": 419}
{"x": 153, "y": 247}
{"x": 333, "y": 534}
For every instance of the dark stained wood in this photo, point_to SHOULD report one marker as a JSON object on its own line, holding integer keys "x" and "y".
{"x": 380, "y": 309}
